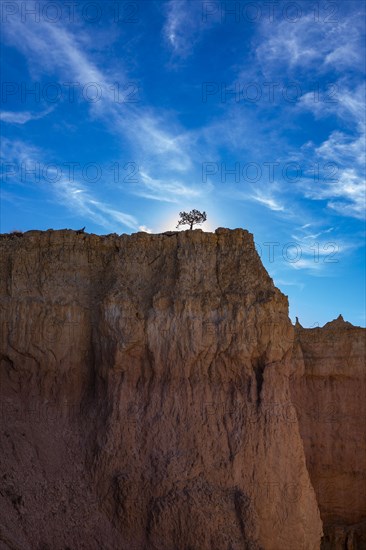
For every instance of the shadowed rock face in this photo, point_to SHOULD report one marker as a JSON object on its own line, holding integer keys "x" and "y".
{"x": 329, "y": 392}
{"x": 147, "y": 389}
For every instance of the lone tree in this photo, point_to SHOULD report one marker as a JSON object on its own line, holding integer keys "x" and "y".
{"x": 191, "y": 218}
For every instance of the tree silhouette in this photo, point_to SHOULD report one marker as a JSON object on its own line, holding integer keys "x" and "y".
{"x": 191, "y": 218}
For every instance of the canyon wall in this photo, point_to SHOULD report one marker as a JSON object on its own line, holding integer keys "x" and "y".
{"x": 151, "y": 393}
{"x": 329, "y": 393}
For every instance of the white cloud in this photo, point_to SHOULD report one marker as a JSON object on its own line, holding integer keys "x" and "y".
{"x": 311, "y": 236}
{"x": 309, "y": 43}
{"x": 77, "y": 198}
{"x": 23, "y": 117}
{"x": 150, "y": 134}
{"x": 165, "y": 147}
{"x": 301, "y": 286}
{"x": 347, "y": 195}
{"x": 341, "y": 157}
{"x": 272, "y": 204}
{"x": 344, "y": 185}
{"x": 152, "y": 137}
{"x": 183, "y": 26}
{"x": 269, "y": 202}
{"x": 347, "y": 104}
{"x": 343, "y": 149}
{"x": 304, "y": 51}
{"x": 318, "y": 252}
{"x": 72, "y": 195}
{"x": 145, "y": 229}
{"x": 307, "y": 263}
{"x": 165, "y": 191}
{"x": 18, "y": 150}
{"x": 18, "y": 157}
{"x": 51, "y": 49}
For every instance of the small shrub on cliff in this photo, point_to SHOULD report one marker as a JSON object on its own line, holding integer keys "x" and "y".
{"x": 191, "y": 218}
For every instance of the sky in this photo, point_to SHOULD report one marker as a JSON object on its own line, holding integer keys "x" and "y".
{"x": 118, "y": 115}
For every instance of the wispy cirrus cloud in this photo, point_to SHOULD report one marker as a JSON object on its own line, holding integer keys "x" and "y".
{"x": 18, "y": 156}
{"x": 13, "y": 150}
{"x": 14, "y": 154}
{"x": 339, "y": 100}
{"x": 319, "y": 248}
{"x": 166, "y": 151}
{"x": 173, "y": 191}
{"x": 269, "y": 202}
{"x": 77, "y": 198}
{"x": 313, "y": 39}
{"x": 345, "y": 151}
{"x": 158, "y": 140}
{"x": 22, "y": 117}
{"x": 282, "y": 282}
{"x": 346, "y": 195}
{"x": 183, "y": 26}
{"x": 327, "y": 48}
{"x": 304, "y": 234}
{"x": 342, "y": 148}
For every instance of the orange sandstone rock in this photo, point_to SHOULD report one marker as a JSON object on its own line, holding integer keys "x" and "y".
{"x": 329, "y": 392}
{"x": 146, "y": 389}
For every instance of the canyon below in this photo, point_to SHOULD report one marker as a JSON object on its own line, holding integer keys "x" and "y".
{"x": 155, "y": 395}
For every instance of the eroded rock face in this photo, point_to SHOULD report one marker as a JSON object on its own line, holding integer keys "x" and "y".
{"x": 329, "y": 391}
{"x": 140, "y": 383}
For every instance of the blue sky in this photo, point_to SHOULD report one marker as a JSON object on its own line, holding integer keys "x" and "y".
{"x": 118, "y": 115}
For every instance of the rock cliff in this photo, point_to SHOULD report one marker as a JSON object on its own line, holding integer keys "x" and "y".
{"x": 329, "y": 393}
{"x": 150, "y": 392}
